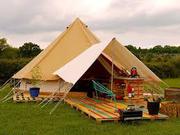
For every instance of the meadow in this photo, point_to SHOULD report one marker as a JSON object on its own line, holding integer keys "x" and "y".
{"x": 30, "y": 119}
{"x": 173, "y": 82}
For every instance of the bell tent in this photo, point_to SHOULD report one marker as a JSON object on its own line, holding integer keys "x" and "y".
{"x": 77, "y": 55}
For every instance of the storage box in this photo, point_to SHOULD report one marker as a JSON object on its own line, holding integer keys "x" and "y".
{"x": 172, "y": 93}
{"x": 127, "y": 115}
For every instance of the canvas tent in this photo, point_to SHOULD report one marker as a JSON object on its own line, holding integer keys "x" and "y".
{"x": 73, "y": 41}
{"x": 73, "y": 53}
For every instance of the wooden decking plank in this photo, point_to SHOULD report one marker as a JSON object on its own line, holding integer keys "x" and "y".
{"x": 102, "y": 118}
{"x": 106, "y": 104}
{"x": 103, "y": 108}
{"x": 84, "y": 109}
{"x": 103, "y": 104}
{"x": 25, "y": 97}
{"x": 112, "y": 103}
{"x": 99, "y": 111}
{"x": 94, "y": 109}
{"x": 154, "y": 117}
{"x": 93, "y": 112}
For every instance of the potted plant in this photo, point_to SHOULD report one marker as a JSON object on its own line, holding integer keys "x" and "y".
{"x": 35, "y": 81}
{"x": 153, "y": 103}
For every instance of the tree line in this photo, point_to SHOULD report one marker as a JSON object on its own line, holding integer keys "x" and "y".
{"x": 13, "y": 59}
{"x": 163, "y": 61}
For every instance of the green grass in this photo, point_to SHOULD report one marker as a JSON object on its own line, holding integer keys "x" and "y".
{"x": 30, "y": 119}
{"x": 173, "y": 82}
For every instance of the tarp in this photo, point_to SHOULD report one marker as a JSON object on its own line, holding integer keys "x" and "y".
{"x": 72, "y": 71}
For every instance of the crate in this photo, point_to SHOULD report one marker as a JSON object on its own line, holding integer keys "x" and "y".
{"x": 172, "y": 93}
{"x": 170, "y": 108}
{"x": 127, "y": 115}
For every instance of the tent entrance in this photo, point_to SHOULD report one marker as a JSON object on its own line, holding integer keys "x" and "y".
{"x": 95, "y": 72}
{"x": 99, "y": 71}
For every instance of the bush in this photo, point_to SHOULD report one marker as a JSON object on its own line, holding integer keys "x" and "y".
{"x": 8, "y": 67}
{"x": 166, "y": 69}
{"x": 9, "y": 53}
{"x": 29, "y": 50}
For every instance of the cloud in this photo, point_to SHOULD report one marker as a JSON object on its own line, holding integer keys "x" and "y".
{"x": 137, "y": 15}
{"x": 141, "y": 22}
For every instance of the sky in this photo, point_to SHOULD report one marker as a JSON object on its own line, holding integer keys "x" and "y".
{"x": 144, "y": 23}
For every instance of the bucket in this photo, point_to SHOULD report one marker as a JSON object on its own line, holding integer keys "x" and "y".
{"x": 34, "y": 91}
{"x": 153, "y": 107}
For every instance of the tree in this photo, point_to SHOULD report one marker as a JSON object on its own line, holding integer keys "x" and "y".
{"x": 10, "y": 53}
{"x": 134, "y": 50}
{"x": 131, "y": 48}
{"x": 8, "y": 67}
{"x": 29, "y": 50}
{"x": 157, "y": 49}
{"x": 3, "y": 44}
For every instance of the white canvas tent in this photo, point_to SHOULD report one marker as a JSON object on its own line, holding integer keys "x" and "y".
{"x": 73, "y": 53}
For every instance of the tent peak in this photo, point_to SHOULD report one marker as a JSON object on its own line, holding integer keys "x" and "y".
{"x": 84, "y": 28}
{"x": 78, "y": 20}
{"x": 113, "y": 40}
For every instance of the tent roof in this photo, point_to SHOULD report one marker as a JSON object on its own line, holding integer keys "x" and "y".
{"x": 73, "y": 41}
{"x": 125, "y": 60}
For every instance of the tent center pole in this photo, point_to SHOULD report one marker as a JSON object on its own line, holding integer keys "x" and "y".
{"x": 112, "y": 70}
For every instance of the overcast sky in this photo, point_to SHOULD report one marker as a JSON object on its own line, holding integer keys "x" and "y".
{"x": 143, "y": 23}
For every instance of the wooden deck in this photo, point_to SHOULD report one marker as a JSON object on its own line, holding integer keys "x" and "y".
{"x": 98, "y": 109}
{"x": 104, "y": 110}
{"x": 25, "y": 97}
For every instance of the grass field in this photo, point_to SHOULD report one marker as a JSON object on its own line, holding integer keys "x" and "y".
{"x": 29, "y": 119}
{"x": 173, "y": 82}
